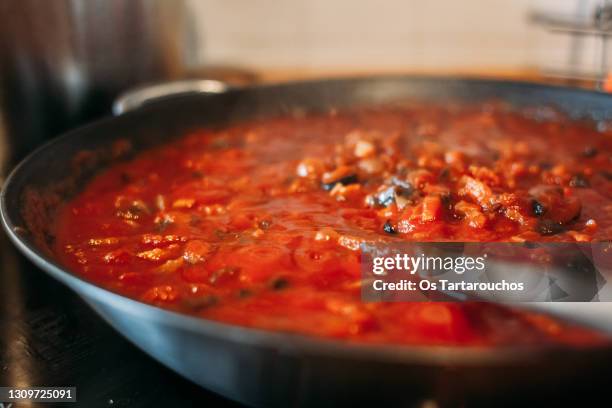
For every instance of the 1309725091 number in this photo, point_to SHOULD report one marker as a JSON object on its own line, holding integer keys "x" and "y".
{"x": 38, "y": 394}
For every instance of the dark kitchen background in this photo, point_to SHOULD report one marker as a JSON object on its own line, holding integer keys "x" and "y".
{"x": 63, "y": 63}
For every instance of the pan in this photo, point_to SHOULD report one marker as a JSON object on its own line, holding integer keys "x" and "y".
{"x": 262, "y": 368}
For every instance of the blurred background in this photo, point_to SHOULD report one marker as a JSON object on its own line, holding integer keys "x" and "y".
{"x": 472, "y": 35}
{"x": 62, "y": 63}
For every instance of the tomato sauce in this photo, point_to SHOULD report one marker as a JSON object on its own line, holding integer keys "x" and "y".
{"x": 259, "y": 223}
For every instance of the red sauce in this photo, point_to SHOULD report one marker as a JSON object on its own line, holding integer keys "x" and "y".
{"x": 258, "y": 224}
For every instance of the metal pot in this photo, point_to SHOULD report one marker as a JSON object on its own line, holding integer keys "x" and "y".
{"x": 63, "y": 62}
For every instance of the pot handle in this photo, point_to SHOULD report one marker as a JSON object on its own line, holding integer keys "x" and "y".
{"x": 140, "y": 96}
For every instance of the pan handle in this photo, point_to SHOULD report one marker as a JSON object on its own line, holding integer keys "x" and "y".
{"x": 137, "y": 97}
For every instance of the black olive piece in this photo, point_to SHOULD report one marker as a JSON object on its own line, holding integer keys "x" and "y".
{"x": 589, "y": 152}
{"x": 498, "y": 208}
{"x": 345, "y": 181}
{"x": 549, "y": 227}
{"x": 579, "y": 181}
{"x": 538, "y": 208}
{"x": 388, "y": 228}
{"x": 405, "y": 188}
{"x": 386, "y": 197}
{"x": 607, "y": 175}
{"x": 280, "y": 283}
{"x": 445, "y": 197}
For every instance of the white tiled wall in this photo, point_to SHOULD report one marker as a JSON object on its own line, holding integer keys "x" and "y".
{"x": 419, "y": 34}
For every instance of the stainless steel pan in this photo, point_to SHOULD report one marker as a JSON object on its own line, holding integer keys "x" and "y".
{"x": 276, "y": 369}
